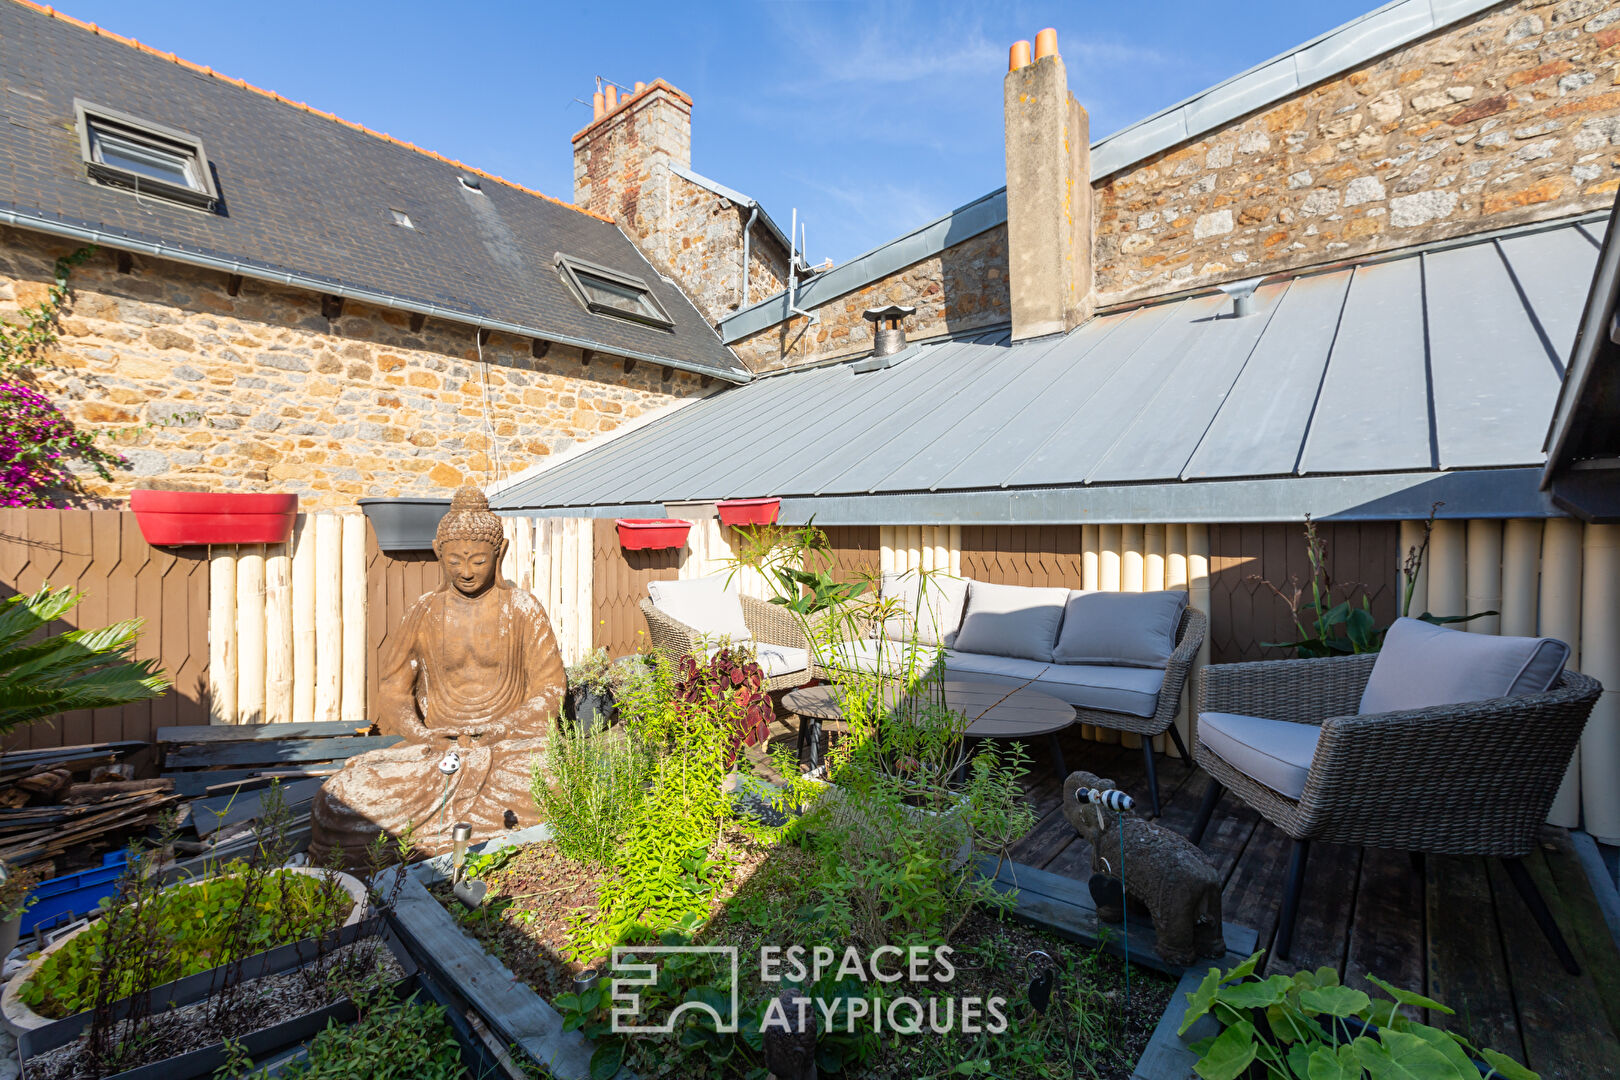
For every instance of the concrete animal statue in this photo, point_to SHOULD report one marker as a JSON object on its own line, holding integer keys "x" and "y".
{"x": 790, "y": 1051}
{"x": 1163, "y": 872}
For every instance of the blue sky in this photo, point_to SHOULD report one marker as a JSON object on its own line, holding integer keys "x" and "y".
{"x": 870, "y": 118}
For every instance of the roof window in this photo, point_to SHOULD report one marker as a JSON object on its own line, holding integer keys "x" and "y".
{"x": 144, "y": 157}
{"x": 402, "y": 219}
{"x": 608, "y": 292}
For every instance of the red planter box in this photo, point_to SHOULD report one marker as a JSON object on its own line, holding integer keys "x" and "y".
{"x": 748, "y": 511}
{"x": 171, "y": 518}
{"x": 646, "y": 534}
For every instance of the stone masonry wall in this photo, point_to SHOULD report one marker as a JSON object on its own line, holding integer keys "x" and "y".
{"x": 1512, "y": 116}
{"x": 689, "y": 233}
{"x": 963, "y": 287}
{"x": 261, "y": 392}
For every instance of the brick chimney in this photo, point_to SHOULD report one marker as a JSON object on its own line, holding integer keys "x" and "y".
{"x": 622, "y": 157}
{"x": 1048, "y": 193}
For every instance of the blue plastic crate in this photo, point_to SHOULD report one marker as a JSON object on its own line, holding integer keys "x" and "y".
{"x": 74, "y": 895}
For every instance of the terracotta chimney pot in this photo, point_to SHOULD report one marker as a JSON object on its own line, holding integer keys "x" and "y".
{"x": 612, "y": 93}
{"x": 640, "y": 86}
{"x": 1018, "y": 55}
{"x": 1046, "y": 43}
{"x": 598, "y": 108}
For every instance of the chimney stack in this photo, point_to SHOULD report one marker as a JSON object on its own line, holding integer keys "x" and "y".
{"x": 1048, "y": 193}
{"x": 888, "y": 336}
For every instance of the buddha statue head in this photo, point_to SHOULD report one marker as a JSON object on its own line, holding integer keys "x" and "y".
{"x": 470, "y": 543}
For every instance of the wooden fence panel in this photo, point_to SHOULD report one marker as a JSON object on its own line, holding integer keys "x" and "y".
{"x": 101, "y": 553}
{"x": 394, "y": 581}
{"x": 619, "y": 584}
{"x": 855, "y": 552}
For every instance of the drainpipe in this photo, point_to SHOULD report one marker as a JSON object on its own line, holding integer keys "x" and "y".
{"x": 753, "y": 216}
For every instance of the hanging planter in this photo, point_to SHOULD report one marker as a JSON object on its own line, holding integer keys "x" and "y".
{"x": 172, "y": 518}
{"x": 736, "y": 512}
{"x": 404, "y": 524}
{"x": 647, "y": 534}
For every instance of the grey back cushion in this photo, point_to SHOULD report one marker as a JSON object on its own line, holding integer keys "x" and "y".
{"x": 1422, "y": 665}
{"x": 1011, "y": 620}
{"x": 1126, "y": 629}
{"x": 704, "y": 604}
{"x": 935, "y": 616}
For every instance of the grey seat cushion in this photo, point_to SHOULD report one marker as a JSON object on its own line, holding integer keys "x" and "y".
{"x": 1133, "y": 629}
{"x": 935, "y": 616}
{"x": 1011, "y": 620}
{"x": 704, "y": 604}
{"x": 773, "y": 660}
{"x": 1274, "y": 752}
{"x": 1422, "y": 665}
{"x": 896, "y": 658}
{"x": 1134, "y": 691}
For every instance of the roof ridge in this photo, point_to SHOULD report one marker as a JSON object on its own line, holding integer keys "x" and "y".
{"x": 200, "y": 69}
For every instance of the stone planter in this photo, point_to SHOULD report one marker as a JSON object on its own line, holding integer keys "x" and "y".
{"x": 593, "y": 711}
{"x": 404, "y": 524}
{"x": 16, "y": 1015}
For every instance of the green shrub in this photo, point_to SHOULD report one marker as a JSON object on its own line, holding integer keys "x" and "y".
{"x": 590, "y": 789}
{"x": 409, "y": 1040}
{"x": 198, "y": 920}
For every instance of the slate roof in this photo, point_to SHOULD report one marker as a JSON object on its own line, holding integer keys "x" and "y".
{"x": 306, "y": 199}
{"x": 1438, "y": 361}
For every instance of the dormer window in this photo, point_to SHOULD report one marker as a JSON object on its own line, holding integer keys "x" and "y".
{"x": 608, "y": 292}
{"x": 144, "y": 157}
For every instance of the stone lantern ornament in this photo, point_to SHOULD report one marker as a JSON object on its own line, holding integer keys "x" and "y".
{"x": 888, "y": 336}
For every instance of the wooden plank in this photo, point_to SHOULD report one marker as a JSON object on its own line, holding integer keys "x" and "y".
{"x": 1388, "y": 921}
{"x": 253, "y": 732}
{"x": 1561, "y": 1017}
{"x": 352, "y": 703}
{"x": 303, "y": 620}
{"x": 1584, "y": 927}
{"x": 250, "y": 651}
{"x": 222, "y": 635}
{"x": 75, "y": 571}
{"x": 208, "y": 816}
{"x": 108, "y": 550}
{"x": 1466, "y": 967}
{"x": 328, "y": 617}
{"x": 278, "y": 635}
{"x": 216, "y": 781}
{"x": 270, "y": 753}
{"x": 514, "y": 1011}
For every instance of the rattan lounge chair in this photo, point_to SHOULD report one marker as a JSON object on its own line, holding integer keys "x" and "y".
{"x": 1475, "y": 778}
{"x": 768, "y": 623}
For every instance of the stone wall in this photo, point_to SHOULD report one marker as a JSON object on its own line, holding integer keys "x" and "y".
{"x": 961, "y": 288}
{"x": 1509, "y": 117}
{"x": 689, "y": 233}
{"x": 259, "y": 391}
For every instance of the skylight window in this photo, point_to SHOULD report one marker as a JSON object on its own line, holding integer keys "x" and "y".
{"x": 402, "y": 219}
{"x": 608, "y": 292}
{"x": 144, "y": 157}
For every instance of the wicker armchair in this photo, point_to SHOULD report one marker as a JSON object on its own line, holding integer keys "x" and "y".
{"x": 768, "y": 623}
{"x": 1475, "y": 778}
{"x": 1189, "y": 638}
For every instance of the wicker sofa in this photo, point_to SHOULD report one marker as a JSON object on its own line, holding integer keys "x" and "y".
{"x": 1120, "y": 659}
{"x": 1390, "y": 750}
{"x": 767, "y": 628}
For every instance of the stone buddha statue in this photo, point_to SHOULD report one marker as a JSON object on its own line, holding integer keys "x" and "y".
{"x": 473, "y": 683}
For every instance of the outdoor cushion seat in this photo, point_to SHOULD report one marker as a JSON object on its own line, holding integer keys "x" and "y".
{"x": 1134, "y": 691}
{"x": 1422, "y": 666}
{"x": 863, "y": 656}
{"x": 704, "y": 604}
{"x": 1274, "y": 752}
{"x": 774, "y": 660}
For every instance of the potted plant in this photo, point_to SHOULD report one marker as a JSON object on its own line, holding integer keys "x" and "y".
{"x": 404, "y": 524}
{"x": 651, "y": 534}
{"x": 737, "y": 512}
{"x": 171, "y": 518}
{"x": 16, "y": 896}
{"x": 592, "y": 685}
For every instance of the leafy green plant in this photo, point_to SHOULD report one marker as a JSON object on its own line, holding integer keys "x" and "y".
{"x": 196, "y": 919}
{"x": 79, "y": 669}
{"x": 390, "y": 1040}
{"x": 1308, "y": 1026}
{"x": 1326, "y": 628}
{"x": 16, "y": 889}
{"x": 590, "y": 789}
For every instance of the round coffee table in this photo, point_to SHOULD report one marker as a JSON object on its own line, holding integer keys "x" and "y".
{"x": 993, "y": 712}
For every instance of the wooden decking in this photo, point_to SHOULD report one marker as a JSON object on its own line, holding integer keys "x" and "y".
{"x": 1452, "y": 928}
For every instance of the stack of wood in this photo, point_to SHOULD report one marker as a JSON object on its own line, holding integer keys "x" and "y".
{"x": 57, "y": 799}
{"x": 225, "y": 771}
